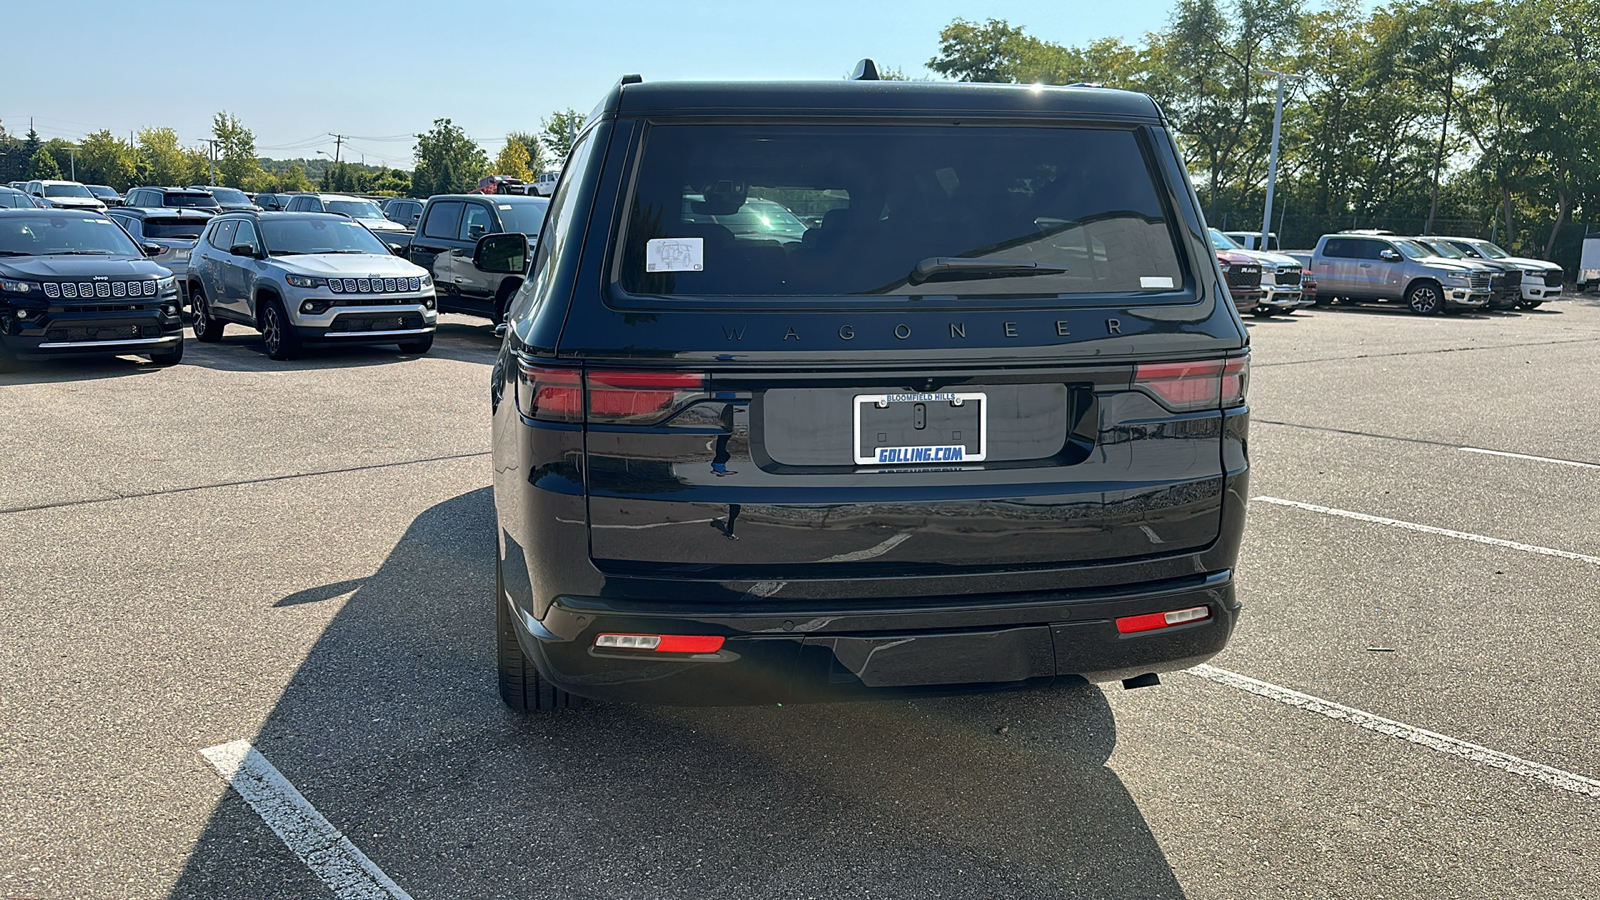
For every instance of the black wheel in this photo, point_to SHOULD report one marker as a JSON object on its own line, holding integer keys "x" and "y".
{"x": 8, "y": 361}
{"x": 521, "y": 686}
{"x": 168, "y": 357}
{"x": 417, "y": 347}
{"x": 1426, "y": 298}
{"x": 207, "y": 328}
{"x": 277, "y": 334}
{"x": 1262, "y": 312}
{"x": 502, "y": 301}
{"x": 1530, "y": 304}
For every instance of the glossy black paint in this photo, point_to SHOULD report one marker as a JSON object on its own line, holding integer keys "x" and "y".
{"x": 34, "y": 326}
{"x": 831, "y": 580}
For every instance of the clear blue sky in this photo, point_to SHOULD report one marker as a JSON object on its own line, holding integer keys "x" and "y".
{"x": 294, "y": 70}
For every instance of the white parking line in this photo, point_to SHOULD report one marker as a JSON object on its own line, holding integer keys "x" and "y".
{"x": 1516, "y": 765}
{"x": 1429, "y": 529}
{"x": 1544, "y": 459}
{"x": 325, "y": 851}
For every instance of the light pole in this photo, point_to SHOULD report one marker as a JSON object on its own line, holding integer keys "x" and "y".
{"x": 1272, "y": 159}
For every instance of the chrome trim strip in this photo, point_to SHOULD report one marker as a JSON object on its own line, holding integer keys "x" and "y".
{"x": 132, "y": 342}
{"x": 333, "y": 334}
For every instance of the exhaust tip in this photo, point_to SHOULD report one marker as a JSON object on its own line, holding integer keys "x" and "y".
{"x": 1148, "y": 679}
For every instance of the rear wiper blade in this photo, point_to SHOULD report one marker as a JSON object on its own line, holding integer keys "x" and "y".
{"x": 964, "y": 267}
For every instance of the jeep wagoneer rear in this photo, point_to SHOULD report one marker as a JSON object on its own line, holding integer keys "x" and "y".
{"x": 967, "y": 412}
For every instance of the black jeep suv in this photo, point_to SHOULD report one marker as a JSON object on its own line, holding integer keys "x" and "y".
{"x": 830, "y": 389}
{"x": 73, "y": 283}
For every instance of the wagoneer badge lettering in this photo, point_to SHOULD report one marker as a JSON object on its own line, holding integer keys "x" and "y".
{"x": 902, "y": 331}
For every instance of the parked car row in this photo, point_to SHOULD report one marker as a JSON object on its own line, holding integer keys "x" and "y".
{"x": 1428, "y": 275}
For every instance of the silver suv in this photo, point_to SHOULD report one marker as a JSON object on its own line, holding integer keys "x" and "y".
{"x": 307, "y": 277}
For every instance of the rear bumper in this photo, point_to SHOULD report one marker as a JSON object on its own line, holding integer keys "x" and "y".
{"x": 940, "y": 645}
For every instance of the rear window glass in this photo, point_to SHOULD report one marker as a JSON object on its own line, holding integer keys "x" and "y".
{"x": 187, "y": 200}
{"x": 526, "y": 217}
{"x": 173, "y": 228}
{"x": 795, "y": 210}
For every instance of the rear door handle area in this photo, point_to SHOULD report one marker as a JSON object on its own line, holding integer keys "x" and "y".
{"x": 1366, "y": 265}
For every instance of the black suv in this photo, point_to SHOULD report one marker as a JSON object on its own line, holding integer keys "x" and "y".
{"x": 446, "y": 241}
{"x": 982, "y": 427}
{"x": 172, "y": 198}
{"x": 74, "y": 283}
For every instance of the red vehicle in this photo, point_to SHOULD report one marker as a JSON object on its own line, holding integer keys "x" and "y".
{"x": 1243, "y": 274}
{"x": 500, "y": 184}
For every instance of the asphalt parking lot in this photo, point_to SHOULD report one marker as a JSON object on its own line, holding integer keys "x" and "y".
{"x": 298, "y": 555}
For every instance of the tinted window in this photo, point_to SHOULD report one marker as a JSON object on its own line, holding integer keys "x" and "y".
{"x": 42, "y": 235}
{"x": 68, "y": 190}
{"x": 15, "y": 200}
{"x": 222, "y": 235}
{"x": 229, "y": 195}
{"x": 527, "y": 217}
{"x": 444, "y": 220}
{"x": 1077, "y": 209}
{"x": 355, "y": 209}
{"x": 130, "y": 223}
{"x": 174, "y": 228}
{"x": 476, "y": 222}
{"x": 247, "y": 235}
{"x": 287, "y": 237}
{"x": 1340, "y": 248}
{"x": 188, "y": 200}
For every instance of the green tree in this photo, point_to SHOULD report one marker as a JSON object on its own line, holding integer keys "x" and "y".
{"x": 196, "y": 167}
{"x": 559, "y": 131}
{"x": 43, "y": 165}
{"x": 236, "y": 151}
{"x": 162, "y": 157}
{"x": 389, "y": 182}
{"x": 104, "y": 158}
{"x": 1439, "y": 46}
{"x": 1214, "y": 90}
{"x": 448, "y": 162}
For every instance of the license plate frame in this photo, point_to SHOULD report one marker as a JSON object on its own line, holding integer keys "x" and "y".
{"x": 926, "y": 454}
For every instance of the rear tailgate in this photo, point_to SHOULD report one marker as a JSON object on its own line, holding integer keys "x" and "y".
{"x": 764, "y": 478}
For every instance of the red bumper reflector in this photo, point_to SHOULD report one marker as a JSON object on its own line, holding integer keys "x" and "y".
{"x": 1152, "y": 621}
{"x": 661, "y": 643}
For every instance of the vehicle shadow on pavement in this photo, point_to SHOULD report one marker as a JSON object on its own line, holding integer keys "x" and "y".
{"x": 245, "y": 353}
{"x": 393, "y": 729}
{"x": 87, "y": 368}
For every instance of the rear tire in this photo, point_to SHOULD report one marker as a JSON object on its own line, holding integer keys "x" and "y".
{"x": 417, "y": 348}
{"x": 170, "y": 358}
{"x": 1425, "y": 298}
{"x": 521, "y": 686}
{"x": 207, "y": 328}
{"x": 277, "y": 333}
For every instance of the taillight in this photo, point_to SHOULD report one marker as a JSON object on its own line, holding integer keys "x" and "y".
{"x": 661, "y": 643}
{"x": 640, "y": 398}
{"x": 615, "y": 397}
{"x": 1203, "y": 384}
{"x": 550, "y": 393}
